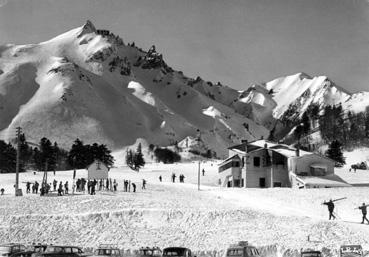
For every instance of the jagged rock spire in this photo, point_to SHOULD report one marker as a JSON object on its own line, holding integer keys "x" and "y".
{"x": 88, "y": 27}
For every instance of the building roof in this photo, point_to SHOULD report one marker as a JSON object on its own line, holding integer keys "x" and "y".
{"x": 283, "y": 149}
{"x": 228, "y": 159}
{"x": 329, "y": 181}
{"x": 88, "y": 167}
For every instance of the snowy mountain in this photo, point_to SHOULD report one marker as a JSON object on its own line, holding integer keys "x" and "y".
{"x": 88, "y": 83}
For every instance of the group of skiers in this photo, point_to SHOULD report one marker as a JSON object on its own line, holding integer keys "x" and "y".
{"x": 46, "y": 187}
{"x": 331, "y": 206}
{"x": 181, "y": 178}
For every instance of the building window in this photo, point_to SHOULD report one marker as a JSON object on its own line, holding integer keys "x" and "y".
{"x": 277, "y": 184}
{"x": 257, "y": 161}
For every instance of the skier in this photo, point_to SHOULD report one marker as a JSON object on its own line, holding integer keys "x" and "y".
{"x": 143, "y": 184}
{"x": 330, "y": 206}
{"x": 160, "y": 178}
{"x": 203, "y": 172}
{"x": 36, "y": 187}
{"x": 66, "y": 187}
{"x": 28, "y": 188}
{"x": 55, "y": 183}
{"x": 60, "y": 189}
{"x": 125, "y": 185}
{"x": 2, "y": 191}
{"x": 134, "y": 187}
{"x": 364, "y": 212}
{"x": 173, "y": 177}
{"x": 115, "y": 184}
{"x": 93, "y": 187}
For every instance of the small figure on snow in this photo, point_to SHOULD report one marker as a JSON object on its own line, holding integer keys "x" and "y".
{"x": 60, "y": 189}
{"x": 160, "y": 178}
{"x": 173, "y": 177}
{"x": 2, "y": 191}
{"x": 330, "y": 206}
{"x": 28, "y": 188}
{"x": 55, "y": 183}
{"x": 203, "y": 172}
{"x": 143, "y": 184}
{"x": 364, "y": 212}
{"x": 134, "y": 187}
{"x": 66, "y": 187}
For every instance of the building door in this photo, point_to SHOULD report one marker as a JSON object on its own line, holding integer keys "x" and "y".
{"x": 262, "y": 182}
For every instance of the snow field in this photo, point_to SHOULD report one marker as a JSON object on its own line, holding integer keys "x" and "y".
{"x": 277, "y": 220}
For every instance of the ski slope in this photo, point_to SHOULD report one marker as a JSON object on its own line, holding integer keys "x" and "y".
{"x": 167, "y": 214}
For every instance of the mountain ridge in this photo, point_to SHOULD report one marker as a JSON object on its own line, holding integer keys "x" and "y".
{"x": 88, "y": 83}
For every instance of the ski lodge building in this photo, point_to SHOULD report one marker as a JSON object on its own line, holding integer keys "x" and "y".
{"x": 270, "y": 164}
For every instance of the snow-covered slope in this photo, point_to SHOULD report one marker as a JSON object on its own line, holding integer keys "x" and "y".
{"x": 290, "y": 96}
{"x": 87, "y": 83}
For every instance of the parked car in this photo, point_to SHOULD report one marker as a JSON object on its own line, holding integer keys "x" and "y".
{"x": 149, "y": 252}
{"x": 59, "y": 251}
{"x": 9, "y": 249}
{"x": 242, "y": 249}
{"x": 107, "y": 250}
{"x": 177, "y": 252}
{"x": 23, "y": 254}
{"x": 351, "y": 251}
{"x": 311, "y": 253}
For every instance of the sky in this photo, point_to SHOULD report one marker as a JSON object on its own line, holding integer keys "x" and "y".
{"x": 236, "y": 42}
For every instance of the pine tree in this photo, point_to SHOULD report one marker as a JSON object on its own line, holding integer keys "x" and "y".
{"x": 334, "y": 152}
{"x": 138, "y": 159}
{"x": 305, "y": 123}
{"x": 77, "y": 157}
{"x": 129, "y": 158}
{"x": 45, "y": 157}
{"x": 7, "y": 157}
{"x": 25, "y": 151}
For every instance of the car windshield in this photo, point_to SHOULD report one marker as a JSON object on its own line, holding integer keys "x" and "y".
{"x": 103, "y": 252}
{"x": 235, "y": 252}
{"x": 53, "y": 249}
{"x": 312, "y": 254}
{"x": 174, "y": 252}
{"x": 4, "y": 249}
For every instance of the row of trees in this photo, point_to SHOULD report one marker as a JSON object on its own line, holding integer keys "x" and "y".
{"x": 350, "y": 129}
{"x": 135, "y": 160}
{"x": 48, "y": 156}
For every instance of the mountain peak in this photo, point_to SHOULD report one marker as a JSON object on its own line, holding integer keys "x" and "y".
{"x": 304, "y": 75}
{"x": 88, "y": 27}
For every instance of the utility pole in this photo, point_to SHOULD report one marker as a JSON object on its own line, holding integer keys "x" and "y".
{"x": 271, "y": 170}
{"x": 17, "y": 193}
{"x": 198, "y": 178}
{"x": 244, "y": 142}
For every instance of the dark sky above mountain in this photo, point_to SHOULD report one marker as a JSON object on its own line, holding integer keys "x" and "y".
{"x": 236, "y": 42}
